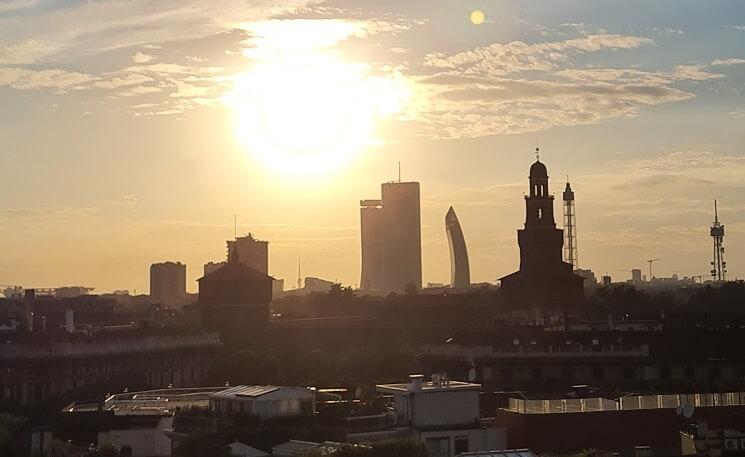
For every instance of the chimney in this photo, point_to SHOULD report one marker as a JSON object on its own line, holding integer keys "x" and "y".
{"x": 415, "y": 382}
{"x": 69, "y": 320}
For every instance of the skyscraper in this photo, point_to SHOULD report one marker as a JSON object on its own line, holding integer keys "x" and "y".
{"x": 402, "y": 236}
{"x": 544, "y": 278}
{"x": 460, "y": 271}
{"x": 392, "y": 239}
{"x": 371, "y": 228}
{"x": 251, "y": 252}
{"x": 167, "y": 282}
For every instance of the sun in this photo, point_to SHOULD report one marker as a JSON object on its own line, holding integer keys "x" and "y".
{"x": 309, "y": 111}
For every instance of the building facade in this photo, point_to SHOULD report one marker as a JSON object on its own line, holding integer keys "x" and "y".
{"x": 460, "y": 271}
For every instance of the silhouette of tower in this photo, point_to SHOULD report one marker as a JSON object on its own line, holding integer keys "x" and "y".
{"x": 570, "y": 228}
{"x": 460, "y": 272}
{"x": 371, "y": 232}
{"x": 718, "y": 265}
{"x": 544, "y": 278}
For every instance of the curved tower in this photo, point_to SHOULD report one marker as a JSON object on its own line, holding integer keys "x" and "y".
{"x": 460, "y": 272}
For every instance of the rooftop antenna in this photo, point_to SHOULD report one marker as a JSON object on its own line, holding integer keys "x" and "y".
{"x": 537, "y": 151}
{"x": 399, "y": 171}
{"x": 235, "y": 226}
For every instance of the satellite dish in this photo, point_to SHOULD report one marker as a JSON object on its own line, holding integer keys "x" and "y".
{"x": 688, "y": 410}
{"x": 471, "y": 375}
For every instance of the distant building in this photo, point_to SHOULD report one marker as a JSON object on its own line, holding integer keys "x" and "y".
{"x": 544, "y": 278}
{"x": 234, "y": 300}
{"x": 636, "y": 276}
{"x": 588, "y": 274}
{"x": 317, "y": 285}
{"x": 444, "y": 415}
{"x": 168, "y": 282}
{"x": 392, "y": 239}
{"x": 371, "y": 229}
{"x": 71, "y": 291}
{"x": 460, "y": 271}
{"x": 266, "y": 402}
{"x": 209, "y": 267}
{"x": 252, "y": 252}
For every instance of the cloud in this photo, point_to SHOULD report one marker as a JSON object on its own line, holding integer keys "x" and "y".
{"x": 141, "y": 58}
{"x": 501, "y": 59}
{"x": 23, "y": 79}
{"x": 127, "y": 201}
{"x": 515, "y": 87}
{"x": 8, "y": 6}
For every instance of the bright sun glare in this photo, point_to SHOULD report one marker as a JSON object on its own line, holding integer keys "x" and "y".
{"x": 301, "y": 108}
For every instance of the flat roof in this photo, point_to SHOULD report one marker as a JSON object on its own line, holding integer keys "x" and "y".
{"x": 501, "y": 453}
{"x": 430, "y": 387}
{"x": 255, "y": 391}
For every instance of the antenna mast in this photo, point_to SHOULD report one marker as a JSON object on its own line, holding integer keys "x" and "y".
{"x": 718, "y": 265}
{"x": 570, "y": 228}
{"x": 399, "y": 171}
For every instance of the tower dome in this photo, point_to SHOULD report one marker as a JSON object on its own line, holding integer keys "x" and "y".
{"x": 538, "y": 170}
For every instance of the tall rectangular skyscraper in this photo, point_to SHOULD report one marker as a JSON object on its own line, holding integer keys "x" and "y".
{"x": 392, "y": 239}
{"x": 402, "y": 236}
{"x": 371, "y": 228}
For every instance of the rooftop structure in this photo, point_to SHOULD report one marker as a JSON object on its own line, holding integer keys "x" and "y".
{"x": 251, "y": 252}
{"x": 168, "y": 282}
{"x": 264, "y": 401}
{"x": 443, "y": 414}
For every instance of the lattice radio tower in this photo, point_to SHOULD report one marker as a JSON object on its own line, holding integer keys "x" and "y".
{"x": 570, "y": 228}
{"x": 718, "y": 265}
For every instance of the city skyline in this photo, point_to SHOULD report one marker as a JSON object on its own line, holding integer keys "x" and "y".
{"x": 120, "y": 149}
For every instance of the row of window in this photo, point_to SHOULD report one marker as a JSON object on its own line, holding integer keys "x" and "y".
{"x": 599, "y": 373}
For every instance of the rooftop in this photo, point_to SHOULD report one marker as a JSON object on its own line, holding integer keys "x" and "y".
{"x": 149, "y": 402}
{"x": 504, "y": 453}
{"x": 430, "y": 386}
{"x": 254, "y": 391}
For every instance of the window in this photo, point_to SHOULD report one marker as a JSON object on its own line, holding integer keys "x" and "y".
{"x": 540, "y": 214}
{"x": 461, "y": 444}
{"x": 438, "y": 447}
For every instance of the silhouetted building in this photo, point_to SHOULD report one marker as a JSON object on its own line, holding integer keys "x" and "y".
{"x": 392, "y": 239}
{"x": 209, "y": 267}
{"x": 317, "y": 285}
{"x": 460, "y": 272}
{"x": 371, "y": 229}
{"x": 636, "y": 276}
{"x": 402, "y": 236}
{"x": 234, "y": 300}
{"x": 167, "y": 282}
{"x": 544, "y": 278}
{"x": 252, "y": 252}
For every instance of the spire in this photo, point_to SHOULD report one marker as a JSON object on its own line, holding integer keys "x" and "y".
{"x": 716, "y": 215}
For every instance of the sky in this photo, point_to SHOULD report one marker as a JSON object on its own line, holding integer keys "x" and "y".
{"x": 133, "y": 132}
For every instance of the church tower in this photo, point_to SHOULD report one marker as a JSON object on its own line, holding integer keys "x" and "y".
{"x": 544, "y": 278}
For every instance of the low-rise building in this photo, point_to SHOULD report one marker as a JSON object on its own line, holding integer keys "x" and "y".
{"x": 266, "y": 402}
{"x": 443, "y": 414}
